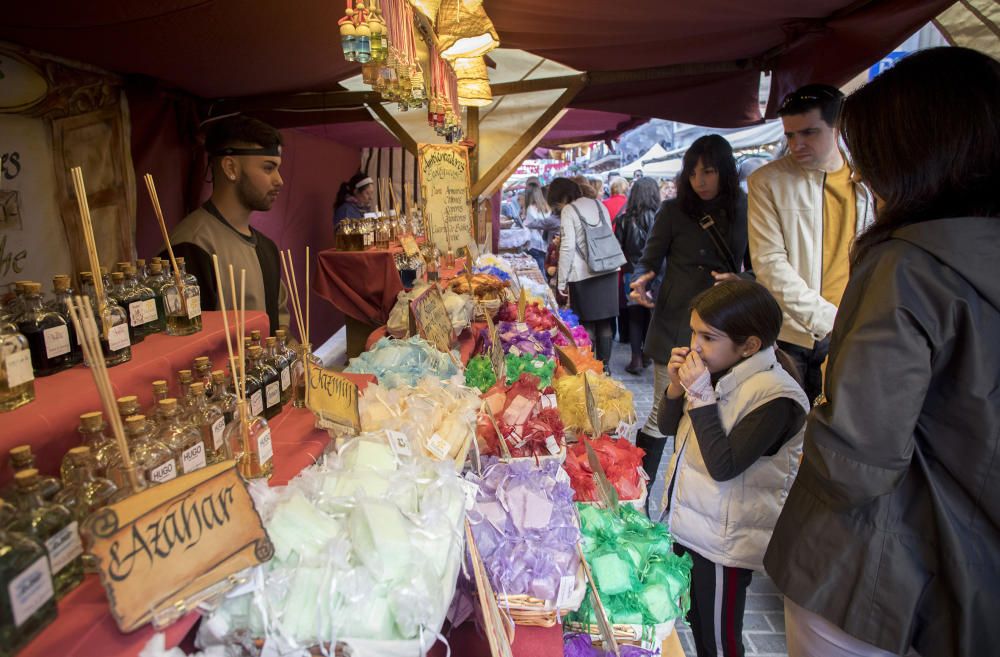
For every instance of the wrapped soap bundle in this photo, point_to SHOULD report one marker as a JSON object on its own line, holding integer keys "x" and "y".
{"x": 367, "y": 548}
{"x": 517, "y": 338}
{"x": 641, "y": 582}
{"x": 580, "y": 338}
{"x": 537, "y": 317}
{"x": 492, "y": 271}
{"x": 524, "y": 523}
{"x": 479, "y": 371}
{"x": 528, "y": 427}
{"x": 622, "y": 465}
{"x": 438, "y": 417}
{"x": 403, "y": 362}
{"x": 459, "y": 308}
{"x": 491, "y": 262}
{"x": 569, "y": 317}
{"x": 614, "y": 402}
{"x": 582, "y": 645}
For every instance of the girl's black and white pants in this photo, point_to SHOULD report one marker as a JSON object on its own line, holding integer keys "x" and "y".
{"x": 718, "y": 599}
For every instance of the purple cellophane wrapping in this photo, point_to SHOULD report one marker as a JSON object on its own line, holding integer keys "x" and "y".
{"x": 524, "y": 526}
{"x": 516, "y": 338}
{"x": 580, "y": 645}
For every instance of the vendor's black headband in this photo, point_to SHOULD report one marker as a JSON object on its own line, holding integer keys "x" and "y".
{"x": 229, "y": 150}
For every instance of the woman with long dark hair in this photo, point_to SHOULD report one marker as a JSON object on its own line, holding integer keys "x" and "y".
{"x": 354, "y": 198}
{"x": 632, "y": 229}
{"x": 889, "y": 543}
{"x": 702, "y": 237}
{"x": 538, "y": 219}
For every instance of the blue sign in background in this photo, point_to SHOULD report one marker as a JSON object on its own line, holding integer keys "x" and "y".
{"x": 886, "y": 63}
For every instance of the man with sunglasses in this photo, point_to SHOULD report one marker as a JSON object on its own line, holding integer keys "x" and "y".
{"x": 244, "y": 155}
{"x": 804, "y": 211}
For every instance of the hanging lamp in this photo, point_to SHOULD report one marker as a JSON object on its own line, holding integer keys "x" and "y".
{"x": 464, "y": 30}
{"x": 473, "y": 82}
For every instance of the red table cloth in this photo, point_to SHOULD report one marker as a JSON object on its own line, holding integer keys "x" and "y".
{"x": 49, "y": 423}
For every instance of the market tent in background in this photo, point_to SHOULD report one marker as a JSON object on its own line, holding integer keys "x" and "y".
{"x": 972, "y": 24}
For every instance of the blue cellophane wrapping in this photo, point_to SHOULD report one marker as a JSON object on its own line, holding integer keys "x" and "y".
{"x": 403, "y": 362}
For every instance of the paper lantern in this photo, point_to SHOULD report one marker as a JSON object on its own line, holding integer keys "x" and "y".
{"x": 473, "y": 82}
{"x": 429, "y": 9}
{"x": 464, "y": 30}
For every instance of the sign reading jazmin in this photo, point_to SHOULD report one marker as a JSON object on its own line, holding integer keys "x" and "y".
{"x": 164, "y": 547}
{"x": 333, "y": 398}
{"x": 444, "y": 185}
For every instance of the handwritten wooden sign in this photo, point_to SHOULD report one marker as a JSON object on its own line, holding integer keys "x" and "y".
{"x": 444, "y": 185}
{"x": 334, "y": 398}
{"x": 565, "y": 359}
{"x": 561, "y": 325}
{"x": 163, "y": 547}
{"x": 430, "y": 316}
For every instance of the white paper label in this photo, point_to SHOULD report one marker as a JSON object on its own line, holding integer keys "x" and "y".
{"x": 257, "y": 403}
{"x": 566, "y": 585}
{"x": 163, "y": 473}
{"x": 194, "y": 306}
{"x": 438, "y": 446}
{"x": 30, "y": 590}
{"x": 193, "y": 458}
{"x": 18, "y": 366}
{"x": 273, "y": 394}
{"x": 471, "y": 489}
{"x": 218, "y": 429}
{"x": 56, "y": 341}
{"x": 142, "y": 312}
{"x": 399, "y": 443}
{"x": 64, "y": 546}
{"x": 264, "y": 449}
{"x": 552, "y": 445}
{"x": 642, "y": 473}
{"x": 286, "y": 378}
{"x": 118, "y": 337}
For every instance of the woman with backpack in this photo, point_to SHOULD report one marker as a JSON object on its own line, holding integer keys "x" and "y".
{"x": 702, "y": 237}
{"x": 632, "y": 230}
{"x": 738, "y": 413}
{"x": 589, "y": 260}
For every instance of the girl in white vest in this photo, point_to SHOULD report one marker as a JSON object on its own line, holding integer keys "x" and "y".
{"x": 737, "y": 415}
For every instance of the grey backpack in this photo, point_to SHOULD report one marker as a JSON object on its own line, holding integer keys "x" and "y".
{"x": 603, "y": 253}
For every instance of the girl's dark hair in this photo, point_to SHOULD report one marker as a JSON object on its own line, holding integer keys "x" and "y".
{"x": 715, "y": 152}
{"x": 644, "y": 195}
{"x": 562, "y": 190}
{"x": 347, "y": 188}
{"x": 741, "y": 309}
{"x": 924, "y": 136}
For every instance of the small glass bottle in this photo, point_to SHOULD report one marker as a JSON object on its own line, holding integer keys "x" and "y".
{"x": 211, "y": 424}
{"x": 62, "y": 293}
{"x": 47, "y": 333}
{"x": 276, "y": 359}
{"x": 27, "y": 594}
{"x": 183, "y": 439}
{"x": 21, "y": 459}
{"x": 116, "y": 342}
{"x": 285, "y": 358}
{"x": 17, "y": 378}
{"x": 160, "y": 392}
{"x": 84, "y": 492}
{"x": 155, "y": 282}
{"x": 150, "y": 456}
{"x": 202, "y": 369}
{"x": 255, "y": 339}
{"x": 129, "y": 406}
{"x": 122, "y": 296}
{"x": 140, "y": 269}
{"x": 254, "y": 389}
{"x": 93, "y": 435}
{"x": 250, "y": 442}
{"x": 270, "y": 381}
{"x": 223, "y": 396}
{"x": 184, "y": 380}
{"x": 53, "y": 526}
{"x": 183, "y": 317}
{"x": 304, "y": 354}
{"x": 15, "y": 306}
{"x": 140, "y": 303}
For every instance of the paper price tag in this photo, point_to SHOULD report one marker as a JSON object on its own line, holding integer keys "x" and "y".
{"x": 218, "y": 429}
{"x": 549, "y": 401}
{"x": 399, "y": 443}
{"x": 136, "y": 317}
{"x": 149, "y": 313}
{"x": 30, "y": 590}
{"x": 273, "y": 393}
{"x": 18, "y": 366}
{"x": 552, "y": 445}
{"x": 64, "y": 546}
{"x": 164, "y": 472}
{"x": 118, "y": 337}
{"x": 438, "y": 446}
{"x": 286, "y": 377}
{"x": 257, "y": 403}
{"x": 193, "y": 458}
{"x": 265, "y": 450}
{"x": 194, "y": 306}
{"x": 471, "y": 489}
{"x": 567, "y": 583}
{"x": 56, "y": 341}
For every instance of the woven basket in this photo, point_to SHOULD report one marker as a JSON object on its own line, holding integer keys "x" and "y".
{"x": 532, "y": 612}
{"x": 648, "y": 637}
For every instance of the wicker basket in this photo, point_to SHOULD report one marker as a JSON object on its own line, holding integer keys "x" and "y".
{"x": 648, "y": 637}
{"x": 639, "y": 504}
{"x": 532, "y": 612}
{"x": 491, "y": 306}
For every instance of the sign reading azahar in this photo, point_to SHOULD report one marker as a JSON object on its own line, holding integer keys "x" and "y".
{"x": 164, "y": 546}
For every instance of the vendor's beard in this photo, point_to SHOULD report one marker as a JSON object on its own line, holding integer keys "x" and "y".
{"x": 251, "y": 198}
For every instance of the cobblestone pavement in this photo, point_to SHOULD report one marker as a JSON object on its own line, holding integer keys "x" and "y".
{"x": 764, "y": 621}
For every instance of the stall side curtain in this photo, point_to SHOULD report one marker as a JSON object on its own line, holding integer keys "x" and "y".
{"x": 397, "y": 164}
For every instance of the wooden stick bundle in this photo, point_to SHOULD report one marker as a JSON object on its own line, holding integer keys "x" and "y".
{"x": 82, "y": 315}
{"x": 293, "y": 293}
{"x": 178, "y": 280}
{"x": 88, "y": 238}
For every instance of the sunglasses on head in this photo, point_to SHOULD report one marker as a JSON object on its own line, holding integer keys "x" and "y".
{"x": 819, "y": 95}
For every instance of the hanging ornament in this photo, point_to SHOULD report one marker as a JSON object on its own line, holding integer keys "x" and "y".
{"x": 473, "y": 82}
{"x": 464, "y": 30}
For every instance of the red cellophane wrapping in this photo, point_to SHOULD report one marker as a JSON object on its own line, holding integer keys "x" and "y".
{"x": 516, "y": 410}
{"x": 537, "y": 317}
{"x": 620, "y": 459}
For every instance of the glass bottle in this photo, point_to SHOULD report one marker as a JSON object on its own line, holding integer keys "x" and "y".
{"x": 140, "y": 303}
{"x": 121, "y": 296}
{"x": 93, "y": 435}
{"x": 140, "y": 269}
{"x": 17, "y": 378}
{"x": 62, "y": 292}
{"x": 129, "y": 406}
{"x": 155, "y": 282}
{"x": 47, "y": 333}
{"x": 183, "y": 317}
{"x": 270, "y": 381}
{"x": 15, "y": 306}
{"x": 27, "y": 595}
{"x": 276, "y": 360}
{"x": 84, "y": 492}
{"x": 253, "y": 388}
{"x": 21, "y": 459}
{"x": 211, "y": 424}
{"x": 184, "y": 380}
{"x": 152, "y": 458}
{"x": 250, "y": 442}
{"x": 303, "y": 354}
{"x": 202, "y": 369}
{"x": 160, "y": 392}
{"x": 223, "y": 396}
{"x": 183, "y": 439}
{"x": 255, "y": 339}
{"x": 53, "y": 526}
{"x": 284, "y": 358}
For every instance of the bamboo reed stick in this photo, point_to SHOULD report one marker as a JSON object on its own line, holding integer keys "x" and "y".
{"x": 293, "y": 294}
{"x": 241, "y": 383}
{"x": 178, "y": 280}
{"x": 307, "y": 296}
{"x": 88, "y": 238}
{"x": 225, "y": 320}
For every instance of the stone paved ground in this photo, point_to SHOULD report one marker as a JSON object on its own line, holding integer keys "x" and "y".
{"x": 764, "y": 621}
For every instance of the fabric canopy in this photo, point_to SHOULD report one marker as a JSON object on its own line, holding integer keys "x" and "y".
{"x": 230, "y": 48}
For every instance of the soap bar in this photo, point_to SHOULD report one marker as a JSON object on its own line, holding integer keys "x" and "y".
{"x": 298, "y": 526}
